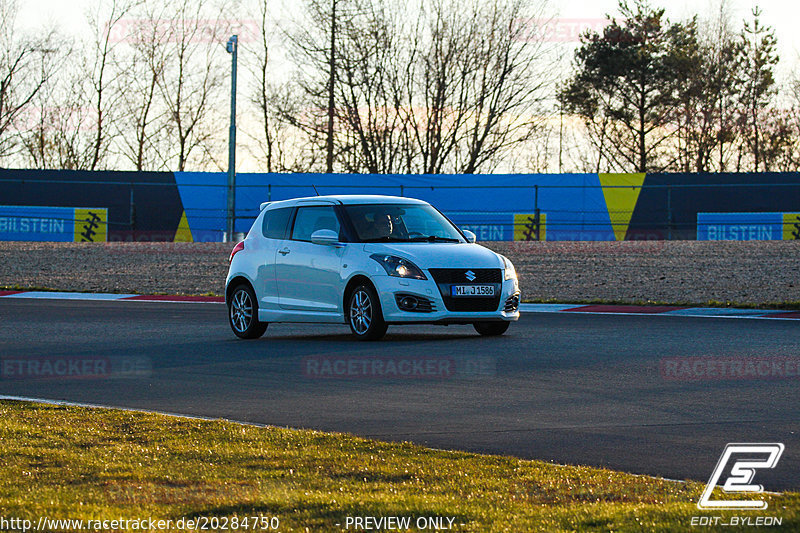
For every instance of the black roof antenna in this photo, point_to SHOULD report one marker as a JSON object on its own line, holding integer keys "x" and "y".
{"x": 315, "y": 190}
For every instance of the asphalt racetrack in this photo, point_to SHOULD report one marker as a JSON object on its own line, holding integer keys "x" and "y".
{"x": 565, "y": 387}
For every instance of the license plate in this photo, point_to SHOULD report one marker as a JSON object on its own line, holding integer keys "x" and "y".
{"x": 472, "y": 290}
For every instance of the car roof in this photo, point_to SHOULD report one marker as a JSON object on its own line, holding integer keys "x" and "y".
{"x": 343, "y": 199}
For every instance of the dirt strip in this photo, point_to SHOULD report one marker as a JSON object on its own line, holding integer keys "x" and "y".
{"x": 763, "y": 272}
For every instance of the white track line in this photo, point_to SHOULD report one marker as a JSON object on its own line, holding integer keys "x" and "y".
{"x": 66, "y": 403}
{"x": 68, "y": 295}
{"x": 97, "y": 296}
{"x": 693, "y": 312}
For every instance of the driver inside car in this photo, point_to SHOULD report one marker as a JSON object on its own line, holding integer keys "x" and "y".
{"x": 383, "y": 225}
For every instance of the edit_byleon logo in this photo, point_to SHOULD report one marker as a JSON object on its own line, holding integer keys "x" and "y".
{"x": 746, "y": 459}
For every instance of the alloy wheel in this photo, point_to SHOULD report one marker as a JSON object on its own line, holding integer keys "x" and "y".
{"x": 361, "y": 312}
{"x": 241, "y": 311}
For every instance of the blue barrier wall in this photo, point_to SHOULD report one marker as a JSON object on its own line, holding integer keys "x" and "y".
{"x": 574, "y": 203}
{"x": 192, "y": 205}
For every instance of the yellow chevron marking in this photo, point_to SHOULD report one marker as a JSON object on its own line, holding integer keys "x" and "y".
{"x": 183, "y": 233}
{"x": 621, "y": 191}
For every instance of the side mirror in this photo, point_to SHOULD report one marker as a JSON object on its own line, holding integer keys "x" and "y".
{"x": 325, "y": 236}
{"x": 471, "y": 237}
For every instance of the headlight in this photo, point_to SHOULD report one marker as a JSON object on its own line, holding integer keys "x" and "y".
{"x": 510, "y": 271}
{"x": 398, "y": 267}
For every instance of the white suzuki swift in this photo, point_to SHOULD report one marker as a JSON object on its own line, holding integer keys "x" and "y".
{"x": 369, "y": 261}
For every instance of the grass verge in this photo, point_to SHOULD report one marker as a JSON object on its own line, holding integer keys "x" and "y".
{"x": 78, "y": 463}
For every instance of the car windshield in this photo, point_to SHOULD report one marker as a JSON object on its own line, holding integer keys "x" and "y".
{"x": 401, "y": 223}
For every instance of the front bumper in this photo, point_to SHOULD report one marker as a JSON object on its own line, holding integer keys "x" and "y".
{"x": 390, "y": 287}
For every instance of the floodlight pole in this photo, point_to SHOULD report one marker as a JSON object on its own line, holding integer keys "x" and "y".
{"x": 232, "y": 48}
{"x": 331, "y": 86}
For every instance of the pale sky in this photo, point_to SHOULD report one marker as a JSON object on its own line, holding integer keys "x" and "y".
{"x": 783, "y": 15}
{"x": 570, "y": 16}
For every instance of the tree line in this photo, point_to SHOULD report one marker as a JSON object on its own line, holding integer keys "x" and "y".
{"x": 379, "y": 86}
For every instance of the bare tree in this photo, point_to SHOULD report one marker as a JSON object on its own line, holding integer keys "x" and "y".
{"x": 507, "y": 87}
{"x": 704, "y": 116}
{"x": 60, "y": 131}
{"x": 441, "y": 77}
{"x": 309, "y": 39}
{"x": 372, "y": 88}
{"x": 454, "y": 87}
{"x": 104, "y": 76}
{"x": 144, "y": 125}
{"x": 276, "y": 102}
{"x": 793, "y": 117}
{"x": 26, "y": 65}
{"x": 73, "y": 125}
{"x": 724, "y": 48}
{"x": 191, "y": 80}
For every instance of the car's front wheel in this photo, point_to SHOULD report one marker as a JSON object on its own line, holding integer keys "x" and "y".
{"x": 243, "y": 313}
{"x": 491, "y": 329}
{"x": 364, "y": 314}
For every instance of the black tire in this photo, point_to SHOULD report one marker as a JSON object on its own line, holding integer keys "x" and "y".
{"x": 491, "y": 329}
{"x": 364, "y": 315}
{"x": 243, "y": 313}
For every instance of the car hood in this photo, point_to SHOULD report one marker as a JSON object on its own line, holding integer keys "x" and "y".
{"x": 440, "y": 254}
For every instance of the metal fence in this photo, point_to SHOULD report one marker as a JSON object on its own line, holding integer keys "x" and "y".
{"x": 658, "y": 207}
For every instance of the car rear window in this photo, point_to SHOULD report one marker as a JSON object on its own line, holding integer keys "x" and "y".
{"x": 275, "y": 222}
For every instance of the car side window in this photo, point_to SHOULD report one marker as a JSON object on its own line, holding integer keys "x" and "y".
{"x": 310, "y": 219}
{"x": 275, "y": 222}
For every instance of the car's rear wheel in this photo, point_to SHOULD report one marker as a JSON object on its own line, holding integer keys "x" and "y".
{"x": 243, "y": 313}
{"x": 364, "y": 314}
{"x": 491, "y": 329}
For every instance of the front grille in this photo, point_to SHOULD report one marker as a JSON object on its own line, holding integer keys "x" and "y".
{"x": 459, "y": 275}
{"x": 446, "y": 277}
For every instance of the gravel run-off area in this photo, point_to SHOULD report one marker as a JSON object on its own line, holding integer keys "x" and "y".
{"x": 747, "y": 273}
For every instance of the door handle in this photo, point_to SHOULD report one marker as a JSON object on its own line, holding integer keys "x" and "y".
{"x": 284, "y": 251}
